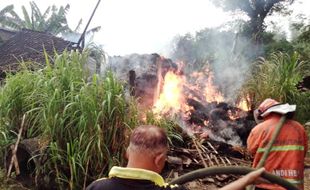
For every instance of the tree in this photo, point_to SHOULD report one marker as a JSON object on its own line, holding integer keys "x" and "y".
{"x": 184, "y": 48}
{"x": 52, "y": 20}
{"x": 256, "y": 10}
{"x": 5, "y": 12}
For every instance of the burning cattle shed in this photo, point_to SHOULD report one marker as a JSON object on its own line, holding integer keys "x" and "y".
{"x": 161, "y": 85}
{"x": 216, "y": 129}
{"x": 140, "y": 73}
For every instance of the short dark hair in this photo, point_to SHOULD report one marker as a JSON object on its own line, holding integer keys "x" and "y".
{"x": 148, "y": 137}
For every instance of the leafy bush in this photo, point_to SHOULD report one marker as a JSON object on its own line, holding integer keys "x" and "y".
{"x": 277, "y": 77}
{"x": 83, "y": 119}
{"x": 169, "y": 123}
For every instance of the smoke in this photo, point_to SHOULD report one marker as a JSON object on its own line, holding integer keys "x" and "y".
{"x": 233, "y": 66}
{"x": 228, "y": 54}
{"x": 231, "y": 137}
{"x": 144, "y": 74}
{"x": 121, "y": 65}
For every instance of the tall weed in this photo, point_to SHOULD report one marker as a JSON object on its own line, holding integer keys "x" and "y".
{"x": 277, "y": 77}
{"x": 84, "y": 118}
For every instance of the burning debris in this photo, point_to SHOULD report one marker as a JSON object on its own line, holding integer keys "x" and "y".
{"x": 204, "y": 154}
{"x": 142, "y": 73}
{"x": 160, "y": 84}
{"x": 202, "y": 107}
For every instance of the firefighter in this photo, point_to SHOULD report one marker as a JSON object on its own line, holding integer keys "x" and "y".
{"x": 146, "y": 155}
{"x": 286, "y": 158}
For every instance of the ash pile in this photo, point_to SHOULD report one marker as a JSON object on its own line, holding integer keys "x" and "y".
{"x": 221, "y": 122}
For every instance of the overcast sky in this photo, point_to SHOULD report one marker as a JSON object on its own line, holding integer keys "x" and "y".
{"x": 141, "y": 26}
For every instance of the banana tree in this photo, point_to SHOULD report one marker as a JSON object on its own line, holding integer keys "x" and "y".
{"x": 52, "y": 20}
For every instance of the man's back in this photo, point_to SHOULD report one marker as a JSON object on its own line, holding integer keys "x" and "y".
{"x": 286, "y": 158}
{"x": 124, "y": 184}
{"x": 131, "y": 179}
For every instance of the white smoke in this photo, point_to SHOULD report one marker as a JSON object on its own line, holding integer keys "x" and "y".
{"x": 229, "y": 55}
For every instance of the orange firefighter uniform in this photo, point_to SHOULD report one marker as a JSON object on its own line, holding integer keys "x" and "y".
{"x": 286, "y": 158}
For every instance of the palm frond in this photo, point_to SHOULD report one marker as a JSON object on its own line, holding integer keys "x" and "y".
{"x": 93, "y": 30}
{"x": 27, "y": 23}
{"x": 78, "y": 26}
{"x": 6, "y": 10}
{"x": 37, "y": 17}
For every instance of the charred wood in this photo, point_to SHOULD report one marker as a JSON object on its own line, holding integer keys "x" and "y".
{"x": 132, "y": 79}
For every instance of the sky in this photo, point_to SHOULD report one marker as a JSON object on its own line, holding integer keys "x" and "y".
{"x": 141, "y": 26}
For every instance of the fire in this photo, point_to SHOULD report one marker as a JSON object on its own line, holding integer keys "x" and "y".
{"x": 243, "y": 104}
{"x": 211, "y": 92}
{"x": 204, "y": 85}
{"x": 174, "y": 90}
{"x": 198, "y": 105}
{"x": 171, "y": 97}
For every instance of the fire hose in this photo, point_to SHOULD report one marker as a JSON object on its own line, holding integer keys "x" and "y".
{"x": 238, "y": 170}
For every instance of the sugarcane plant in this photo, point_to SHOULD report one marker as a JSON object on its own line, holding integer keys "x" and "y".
{"x": 82, "y": 119}
{"x": 277, "y": 77}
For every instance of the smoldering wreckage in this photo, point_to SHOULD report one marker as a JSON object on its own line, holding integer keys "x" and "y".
{"x": 161, "y": 85}
{"x": 216, "y": 131}
{"x": 215, "y": 127}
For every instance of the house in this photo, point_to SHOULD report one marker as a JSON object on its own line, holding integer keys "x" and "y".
{"x": 6, "y": 34}
{"x": 28, "y": 45}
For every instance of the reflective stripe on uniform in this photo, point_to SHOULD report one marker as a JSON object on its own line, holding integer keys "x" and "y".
{"x": 283, "y": 148}
{"x": 295, "y": 181}
{"x": 137, "y": 173}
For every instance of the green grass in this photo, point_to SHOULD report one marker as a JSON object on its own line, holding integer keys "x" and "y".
{"x": 277, "y": 77}
{"x": 9, "y": 184}
{"x": 84, "y": 118}
{"x": 169, "y": 123}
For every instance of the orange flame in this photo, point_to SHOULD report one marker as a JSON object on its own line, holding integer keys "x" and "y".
{"x": 171, "y": 97}
{"x": 204, "y": 80}
{"x": 243, "y": 105}
{"x": 211, "y": 92}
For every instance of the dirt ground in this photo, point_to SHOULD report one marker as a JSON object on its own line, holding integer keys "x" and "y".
{"x": 307, "y": 178}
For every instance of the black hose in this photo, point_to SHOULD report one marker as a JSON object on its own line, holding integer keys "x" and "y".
{"x": 238, "y": 170}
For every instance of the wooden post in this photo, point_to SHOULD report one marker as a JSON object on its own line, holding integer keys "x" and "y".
{"x": 14, "y": 151}
{"x": 159, "y": 81}
{"x": 132, "y": 79}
